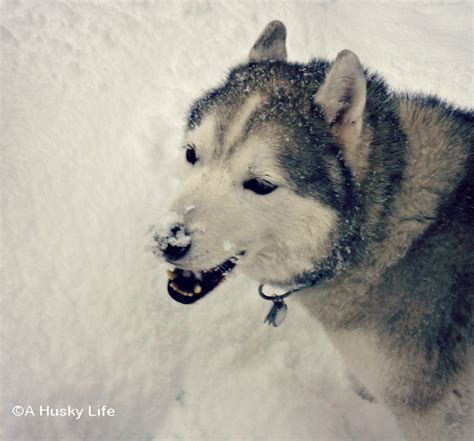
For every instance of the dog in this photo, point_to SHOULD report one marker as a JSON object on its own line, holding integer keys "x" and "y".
{"x": 317, "y": 175}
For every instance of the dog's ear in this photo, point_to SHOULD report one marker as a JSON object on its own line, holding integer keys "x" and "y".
{"x": 271, "y": 44}
{"x": 342, "y": 97}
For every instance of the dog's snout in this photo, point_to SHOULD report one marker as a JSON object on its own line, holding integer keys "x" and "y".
{"x": 176, "y": 244}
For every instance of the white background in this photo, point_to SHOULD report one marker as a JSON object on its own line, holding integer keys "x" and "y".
{"x": 94, "y": 96}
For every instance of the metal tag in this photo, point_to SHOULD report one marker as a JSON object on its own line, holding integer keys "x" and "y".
{"x": 277, "y": 313}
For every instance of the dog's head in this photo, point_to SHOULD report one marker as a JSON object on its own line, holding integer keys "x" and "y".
{"x": 268, "y": 186}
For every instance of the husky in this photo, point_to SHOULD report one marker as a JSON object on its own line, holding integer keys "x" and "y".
{"x": 317, "y": 175}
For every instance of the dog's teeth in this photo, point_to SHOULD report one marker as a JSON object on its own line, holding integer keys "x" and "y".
{"x": 197, "y": 288}
{"x": 171, "y": 274}
{"x": 184, "y": 293}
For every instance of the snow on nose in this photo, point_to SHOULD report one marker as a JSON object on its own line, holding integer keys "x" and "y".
{"x": 171, "y": 237}
{"x": 176, "y": 244}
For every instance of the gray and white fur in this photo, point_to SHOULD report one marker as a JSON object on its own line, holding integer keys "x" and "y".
{"x": 319, "y": 172}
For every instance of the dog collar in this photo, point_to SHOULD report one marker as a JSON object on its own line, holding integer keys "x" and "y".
{"x": 334, "y": 264}
{"x": 279, "y": 308}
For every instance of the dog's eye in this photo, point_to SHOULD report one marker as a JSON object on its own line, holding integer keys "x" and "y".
{"x": 259, "y": 186}
{"x": 191, "y": 154}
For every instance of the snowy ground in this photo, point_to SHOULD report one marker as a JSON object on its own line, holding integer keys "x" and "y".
{"x": 93, "y": 100}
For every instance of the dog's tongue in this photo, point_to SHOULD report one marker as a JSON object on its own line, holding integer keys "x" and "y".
{"x": 185, "y": 287}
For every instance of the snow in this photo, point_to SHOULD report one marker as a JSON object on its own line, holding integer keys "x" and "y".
{"x": 161, "y": 233}
{"x": 227, "y": 245}
{"x": 94, "y": 96}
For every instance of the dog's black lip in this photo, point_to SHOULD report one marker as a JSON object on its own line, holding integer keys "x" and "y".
{"x": 177, "y": 296}
{"x": 185, "y": 280}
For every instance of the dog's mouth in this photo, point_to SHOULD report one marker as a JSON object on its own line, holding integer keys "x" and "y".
{"x": 187, "y": 287}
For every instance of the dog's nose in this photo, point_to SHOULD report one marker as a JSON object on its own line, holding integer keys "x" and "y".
{"x": 176, "y": 244}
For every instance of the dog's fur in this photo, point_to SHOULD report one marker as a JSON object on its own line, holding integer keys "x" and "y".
{"x": 375, "y": 200}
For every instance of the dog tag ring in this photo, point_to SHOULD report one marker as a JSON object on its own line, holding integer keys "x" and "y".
{"x": 277, "y": 313}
